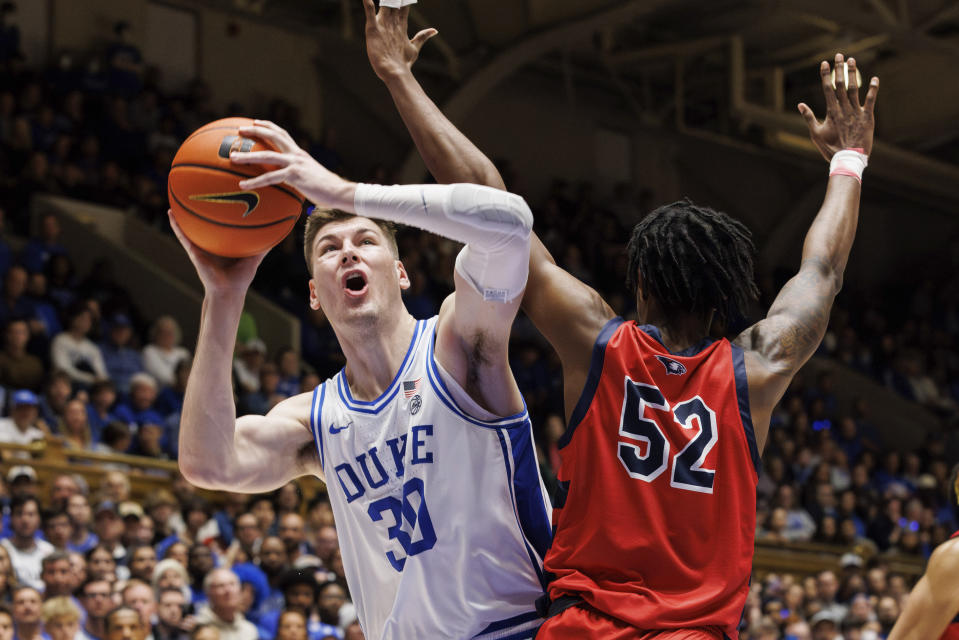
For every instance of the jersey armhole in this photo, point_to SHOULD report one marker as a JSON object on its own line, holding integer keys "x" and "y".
{"x": 316, "y": 416}
{"x": 592, "y": 378}
{"x": 742, "y": 396}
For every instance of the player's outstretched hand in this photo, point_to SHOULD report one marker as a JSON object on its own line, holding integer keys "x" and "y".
{"x": 295, "y": 168}
{"x": 388, "y": 46}
{"x": 218, "y": 274}
{"x": 848, "y": 124}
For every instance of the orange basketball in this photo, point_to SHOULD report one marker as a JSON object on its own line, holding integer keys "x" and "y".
{"x": 208, "y": 204}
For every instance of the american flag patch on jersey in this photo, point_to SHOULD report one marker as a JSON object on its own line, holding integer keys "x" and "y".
{"x": 411, "y": 387}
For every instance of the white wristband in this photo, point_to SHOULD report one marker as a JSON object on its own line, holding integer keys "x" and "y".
{"x": 849, "y": 162}
{"x": 396, "y": 4}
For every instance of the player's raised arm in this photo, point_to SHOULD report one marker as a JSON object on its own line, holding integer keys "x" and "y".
{"x": 491, "y": 269}
{"x": 217, "y": 451}
{"x": 780, "y": 344}
{"x": 568, "y": 312}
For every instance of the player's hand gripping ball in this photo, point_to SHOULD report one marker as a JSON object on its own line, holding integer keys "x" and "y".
{"x": 208, "y": 204}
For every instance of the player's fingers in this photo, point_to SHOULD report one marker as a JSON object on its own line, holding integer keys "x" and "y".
{"x": 808, "y": 115}
{"x": 261, "y": 157}
{"x": 404, "y": 14}
{"x": 842, "y": 98}
{"x": 420, "y": 38}
{"x": 829, "y": 93}
{"x": 370, "y": 10}
{"x": 265, "y": 180}
{"x": 871, "y": 94}
{"x": 852, "y": 91}
{"x": 272, "y": 126}
{"x": 276, "y": 137}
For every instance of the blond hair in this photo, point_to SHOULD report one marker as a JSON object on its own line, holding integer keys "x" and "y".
{"x": 59, "y": 608}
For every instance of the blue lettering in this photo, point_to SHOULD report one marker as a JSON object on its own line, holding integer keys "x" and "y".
{"x": 354, "y": 480}
{"x": 418, "y": 443}
{"x": 398, "y": 449}
{"x": 379, "y": 468}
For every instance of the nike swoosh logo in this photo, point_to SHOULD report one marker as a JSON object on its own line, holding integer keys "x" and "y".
{"x": 335, "y": 430}
{"x": 250, "y": 198}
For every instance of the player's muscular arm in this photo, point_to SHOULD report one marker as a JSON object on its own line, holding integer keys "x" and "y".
{"x": 796, "y": 322}
{"x": 934, "y": 602}
{"x": 217, "y": 451}
{"x": 567, "y": 312}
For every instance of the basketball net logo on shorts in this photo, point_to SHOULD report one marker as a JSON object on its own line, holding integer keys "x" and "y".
{"x": 411, "y": 389}
{"x": 250, "y": 198}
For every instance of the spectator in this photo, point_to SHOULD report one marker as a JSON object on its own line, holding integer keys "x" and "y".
{"x": 291, "y": 532}
{"x": 61, "y": 618}
{"x": 74, "y": 427}
{"x": 143, "y": 560}
{"x": 254, "y": 591}
{"x": 143, "y": 394}
{"x": 13, "y": 303}
{"x": 97, "y": 599}
{"x": 63, "y": 487}
{"x": 140, "y": 597}
{"x": 172, "y": 621}
{"x": 53, "y": 402}
{"x": 169, "y": 401}
{"x": 800, "y": 526}
{"x": 292, "y": 626}
{"x": 300, "y": 593}
{"x": 327, "y": 541}
{"x": 22, "y": 481}
{"x": 163, "y": 352}
{"x": 170, "y": 574}
{"x": 288, "y": 362}
{"x": 222, "y": 588}
{"x": 25, "y": 549}
{"x": 109, "y": 529}
{"x": 82, "y": 538}
{"x": 122, "y": 360}
{"x": 199, "y": 564}
{"x": 8, "y": 581}
{"x": 124, "y": 623}
{"x": 56, "y": 529}
{"x": 19, "y": 369}
{"x": 115, "y": 438}
{"x": 22, "y": 427}
{"x": 26, "y": 613}
{"x": 247, "y": 365}
{"x": 74, "y": 353}
{"x": 103, "y": 396}
{"x": 6, "y": 623}
{"x": 333, "y": 606}
{"x": 59, "y": 578}
{"x": 40, "y": 249}
{"x": 246, "y": 540}
{"x": 273, "y": 562}
{"x": 116, "y": 487}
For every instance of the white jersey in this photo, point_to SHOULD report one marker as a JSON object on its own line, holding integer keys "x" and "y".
{"x": 444, "y": 517}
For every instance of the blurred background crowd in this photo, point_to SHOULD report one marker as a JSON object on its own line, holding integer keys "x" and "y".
{"x": 80, "y": 364}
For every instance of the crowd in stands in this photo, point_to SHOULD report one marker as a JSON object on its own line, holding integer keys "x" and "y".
{"x": 81, "y": 364}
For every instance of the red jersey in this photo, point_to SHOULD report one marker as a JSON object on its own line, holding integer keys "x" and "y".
{"x": 656, "y": 514}
{"x": 952, "y": 631}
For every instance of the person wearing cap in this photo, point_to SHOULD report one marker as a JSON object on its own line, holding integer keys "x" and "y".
{"x": 25, "y": 549}
{"x": 825, "y": 625}
{"x": 73, "y": 352}
{"x": 139, "y": 410}
{"x": 121, "y": 359}
{"x": 19, "y": 369}
{"x": 22, "y": 481}
{"x": 300, "y": 591}
{"x": 22, "y": 427}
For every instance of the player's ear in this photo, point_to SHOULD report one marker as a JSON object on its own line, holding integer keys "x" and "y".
{"x": 403, "y": 276}
{"x": 314, "y": 300}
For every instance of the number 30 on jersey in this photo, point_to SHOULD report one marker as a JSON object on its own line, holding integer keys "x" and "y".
{"x": 687, "y": 466}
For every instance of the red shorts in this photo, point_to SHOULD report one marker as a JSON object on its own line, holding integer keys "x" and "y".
{"x": 585, "y": 623}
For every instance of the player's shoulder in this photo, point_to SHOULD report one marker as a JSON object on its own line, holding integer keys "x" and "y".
{"x": 944, "y": 562}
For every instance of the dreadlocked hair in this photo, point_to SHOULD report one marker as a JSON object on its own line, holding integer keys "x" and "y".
{"x": 693, "y": 259}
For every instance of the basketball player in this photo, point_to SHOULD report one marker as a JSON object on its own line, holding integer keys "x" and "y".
{"x": 932, "y": 609}
{"x": 655, "y": 518}
{"x": 423, "y": 438}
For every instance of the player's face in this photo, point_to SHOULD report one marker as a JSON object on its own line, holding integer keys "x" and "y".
{"x": 355, "y": 275}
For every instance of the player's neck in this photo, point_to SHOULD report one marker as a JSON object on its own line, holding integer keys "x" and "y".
{"x": 374, "y": 357}
{"x": 678, "y": 332}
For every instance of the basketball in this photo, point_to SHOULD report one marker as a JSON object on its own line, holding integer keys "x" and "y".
{"x": 208, "y": 204}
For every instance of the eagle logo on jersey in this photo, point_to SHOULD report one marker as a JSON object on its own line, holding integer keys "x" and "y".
{"x": 673, "y": 368}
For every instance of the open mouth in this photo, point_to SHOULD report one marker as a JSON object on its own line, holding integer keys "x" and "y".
{"x": 354, "y": 283}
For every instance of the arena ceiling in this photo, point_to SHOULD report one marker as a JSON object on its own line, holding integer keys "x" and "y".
{"x": 729, "y": 68}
